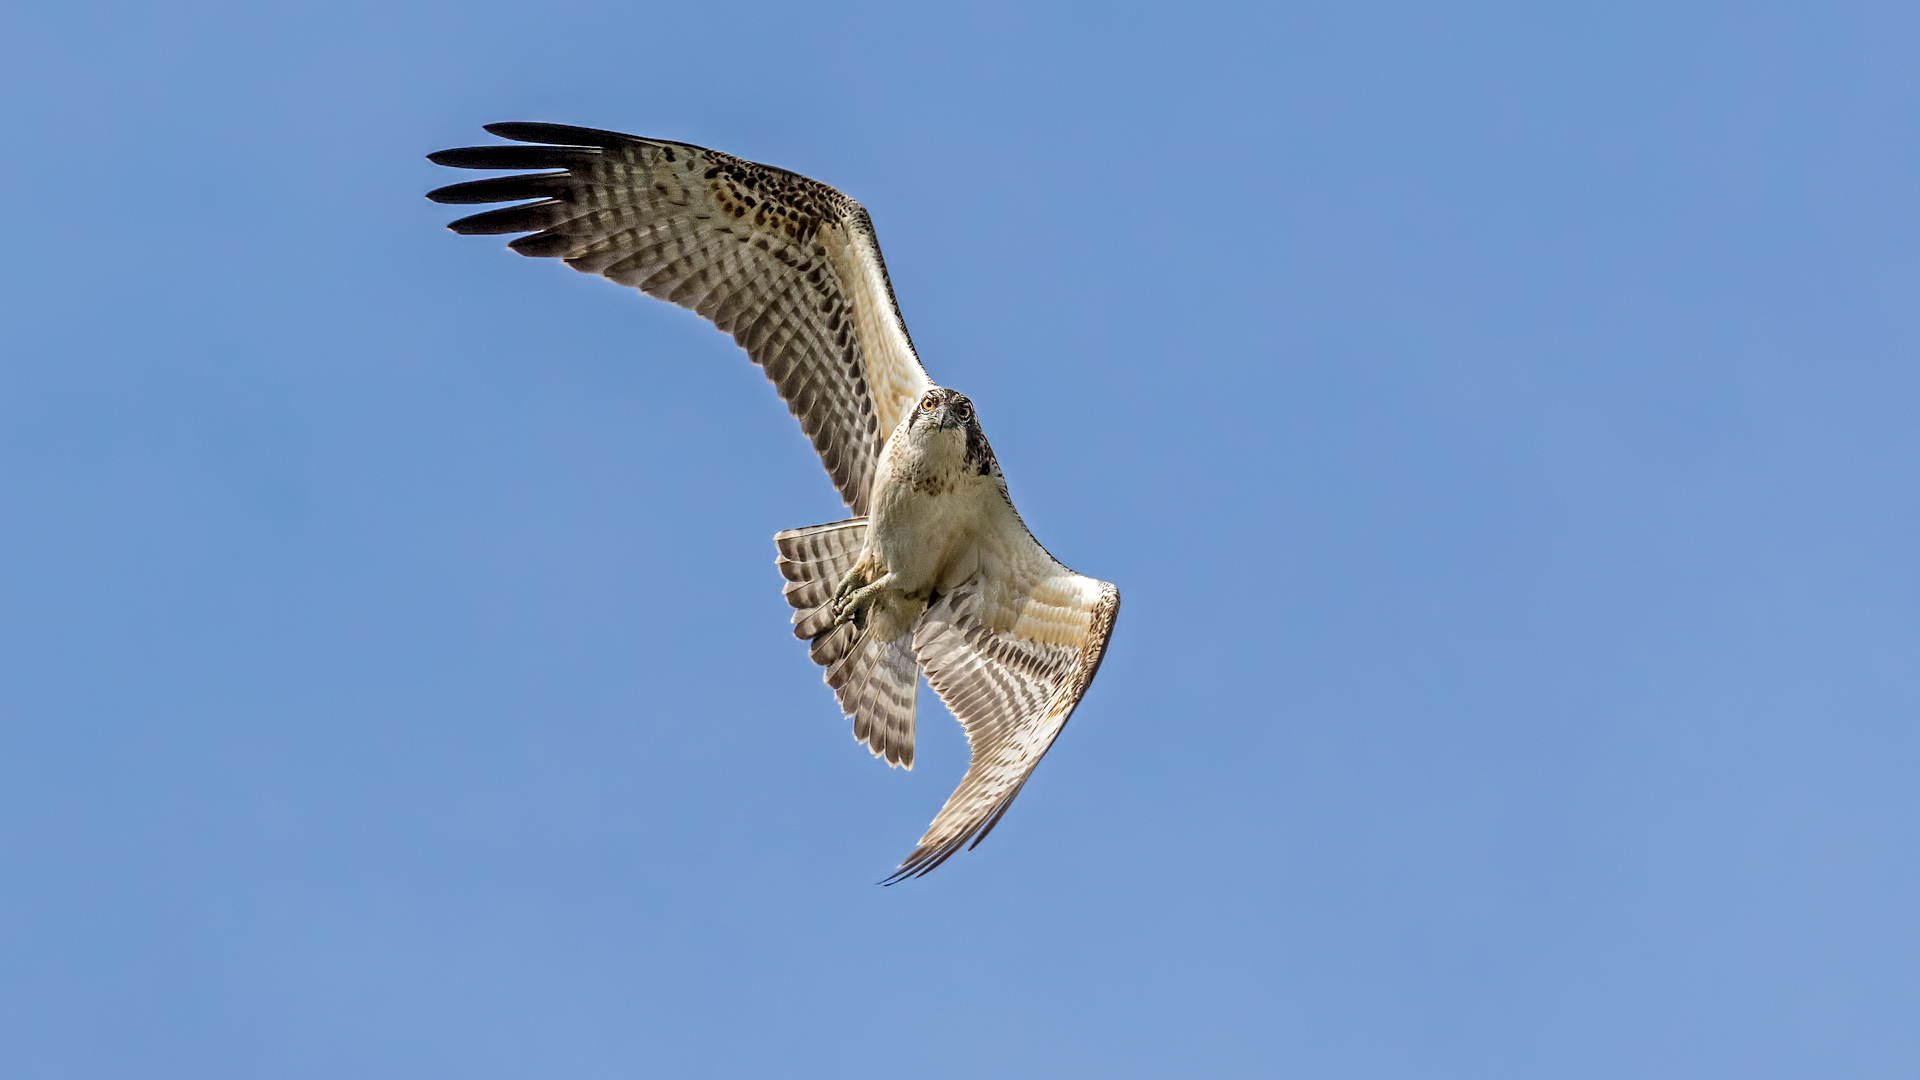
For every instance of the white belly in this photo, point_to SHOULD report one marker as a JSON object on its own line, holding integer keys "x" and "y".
{"x": 926, "y": 543}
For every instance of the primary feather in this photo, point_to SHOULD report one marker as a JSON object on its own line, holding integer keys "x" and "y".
{"x": 788, "y": 266}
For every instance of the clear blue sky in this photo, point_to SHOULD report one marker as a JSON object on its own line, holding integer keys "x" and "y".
{"x": 1503, "y": 422}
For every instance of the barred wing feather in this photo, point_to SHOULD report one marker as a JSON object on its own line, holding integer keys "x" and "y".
{"x": 789, "y": 266}
{"x": 1011, "y": 654}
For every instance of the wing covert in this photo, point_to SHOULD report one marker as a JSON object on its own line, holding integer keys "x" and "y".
{"x": 788, "y": 266}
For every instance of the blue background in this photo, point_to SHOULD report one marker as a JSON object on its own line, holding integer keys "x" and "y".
{"x": 1502, "y": 421}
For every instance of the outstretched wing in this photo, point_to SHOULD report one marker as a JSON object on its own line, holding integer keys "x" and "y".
{"x": 788, "y": 266}
{"x": 1011, "y": 653}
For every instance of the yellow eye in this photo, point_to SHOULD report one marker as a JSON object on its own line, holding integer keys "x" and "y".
{"x": 964, "y": 412}
{"x": 927, "y": 405}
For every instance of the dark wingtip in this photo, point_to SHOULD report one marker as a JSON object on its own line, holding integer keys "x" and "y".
{"x": 505, "y": 189}
{"x": 542, "y": 245}
{"x": 526, "y": 217}
{"x": 905, "y": 870}
{"x": 921, "y": 862}
{"x": 561, "y": 135}
{"x": 514, "y": 157}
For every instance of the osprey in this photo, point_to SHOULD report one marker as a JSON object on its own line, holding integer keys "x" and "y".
{"x": 935, "y": 570}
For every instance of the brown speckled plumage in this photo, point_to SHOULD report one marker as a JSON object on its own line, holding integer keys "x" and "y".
{"x": 790, "y": 267}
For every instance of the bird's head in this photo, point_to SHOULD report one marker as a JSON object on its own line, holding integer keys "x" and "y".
{"x": 944, "y": 423}
{"x": 941, "y": 409}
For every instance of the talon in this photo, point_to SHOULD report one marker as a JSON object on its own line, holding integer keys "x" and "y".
{"x": 852, "y": 607}
{"x": 846, "y": 598}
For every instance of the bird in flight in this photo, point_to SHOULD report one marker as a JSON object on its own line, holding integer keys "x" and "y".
{"x": 934, "y": 571}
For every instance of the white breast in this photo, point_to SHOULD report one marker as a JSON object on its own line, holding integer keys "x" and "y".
{"x": 928, "y": 510}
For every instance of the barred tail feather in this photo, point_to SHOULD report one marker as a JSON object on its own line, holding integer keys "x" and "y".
{"x": 829, "y": 647}
{"x": 875, "y": 684}
{"x": 874, "y": 675}
{"x": 813, "y": 560}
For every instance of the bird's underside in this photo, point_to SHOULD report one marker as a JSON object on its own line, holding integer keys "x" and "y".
{"x": 935, "y": 571}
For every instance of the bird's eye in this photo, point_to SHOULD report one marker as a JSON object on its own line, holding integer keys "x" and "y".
{"x": 964, "y": 412}
{"x": 927, "y": 404}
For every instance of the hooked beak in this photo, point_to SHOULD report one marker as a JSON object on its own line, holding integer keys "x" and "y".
{"x": 948, "y": 421}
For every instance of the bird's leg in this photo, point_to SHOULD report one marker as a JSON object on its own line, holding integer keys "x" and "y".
{"x": 852, "y": 599}
{"x": 850, "y": 582}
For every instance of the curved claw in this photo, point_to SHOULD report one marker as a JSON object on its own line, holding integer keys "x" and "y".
{"x": 850, "y": 604}
{"x": 843, "y": 598}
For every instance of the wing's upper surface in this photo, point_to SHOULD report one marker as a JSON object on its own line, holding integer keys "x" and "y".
{"x": 788, "y": 266}
{"x": 1011, "y": 653}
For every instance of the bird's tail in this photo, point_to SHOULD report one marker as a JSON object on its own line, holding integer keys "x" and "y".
{"x": 813, "y": 560}
{"x": 873, "y": 671}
